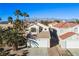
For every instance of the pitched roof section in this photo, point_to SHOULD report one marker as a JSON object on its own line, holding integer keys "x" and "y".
{"x": 66, "y": 35}
{"x": 37, "y": 24}
{"x": 65, "y": 25}
{"x": 59, "y": 25}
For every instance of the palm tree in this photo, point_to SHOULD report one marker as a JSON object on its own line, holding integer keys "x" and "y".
{"x": 18, "y": 13}
{"x": 10, "y": 19}
{"x": 25, "y": 15}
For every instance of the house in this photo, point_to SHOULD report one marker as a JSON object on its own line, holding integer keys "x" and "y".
{"x": 41, "y": 32}
{"x": 36, "y": 28}
{"x": 52, "y": 24}
{"x": 64, "y": 27}
{"x": 68, "y": 34}
{"x": 69, "y": 40}
{"x": 43, "y": 39}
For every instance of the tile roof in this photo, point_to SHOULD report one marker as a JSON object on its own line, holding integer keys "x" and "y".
{"x": 65, "y": 25}
{"x": 66, "y": 35}
{"x": 59, "y": 25}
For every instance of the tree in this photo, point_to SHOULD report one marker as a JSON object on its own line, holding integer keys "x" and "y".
{"x": 44, "y": 22}
{"x": 1, "y": 38}
{"x": 25, "y": 15}
{"x": 18, "y": 13}
{"x": 58, "y": 21}
{"x": 18, "y": 24}
{"x": 77, "y": 20}
{"x": 10, "y": 19}
{"x": 12, "y": 38}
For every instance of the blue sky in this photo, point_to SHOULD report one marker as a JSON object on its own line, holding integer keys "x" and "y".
{"x": 41, "y": 10}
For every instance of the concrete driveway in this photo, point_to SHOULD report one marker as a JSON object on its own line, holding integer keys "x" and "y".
{"x": 54, "y": 51}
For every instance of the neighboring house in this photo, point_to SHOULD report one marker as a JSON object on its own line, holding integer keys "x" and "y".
{"x": 68, "y": 34}
{"x": 41, "y": 32}
{"x": 64, "y": 27}
{"x": 6, "y": 25}
{"x": 52, "y": 24}
{"x": 36, "y": 28}
{"x": 43, "y": 39}
{"x": 69, "y": 40}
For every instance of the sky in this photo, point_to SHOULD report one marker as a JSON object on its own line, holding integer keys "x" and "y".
{"x": 41, "y": 10}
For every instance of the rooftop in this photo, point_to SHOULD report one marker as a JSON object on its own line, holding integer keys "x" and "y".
{"x": 65, "y": 25}
{"x": 66, "y": 35}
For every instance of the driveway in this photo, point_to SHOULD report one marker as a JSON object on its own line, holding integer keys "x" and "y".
{"x": 54, "y": 51}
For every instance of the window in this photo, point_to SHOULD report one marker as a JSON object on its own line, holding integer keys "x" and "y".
{"x": 33, "y": 29}
{"x": 45, "y": 29}
{"x": 75, "y": 30}
{"x": 40, "y": 29}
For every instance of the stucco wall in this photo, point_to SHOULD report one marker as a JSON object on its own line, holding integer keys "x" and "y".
{"x": 71, "y": 42}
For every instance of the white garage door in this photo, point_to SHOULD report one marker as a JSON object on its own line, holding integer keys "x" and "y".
{"x": 43, "y": 42}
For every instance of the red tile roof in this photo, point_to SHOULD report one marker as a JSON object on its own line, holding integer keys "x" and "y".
{"x": 59, "y": 25}
{"x": 66, "y": 35}
{"x": 65, "y": 25}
